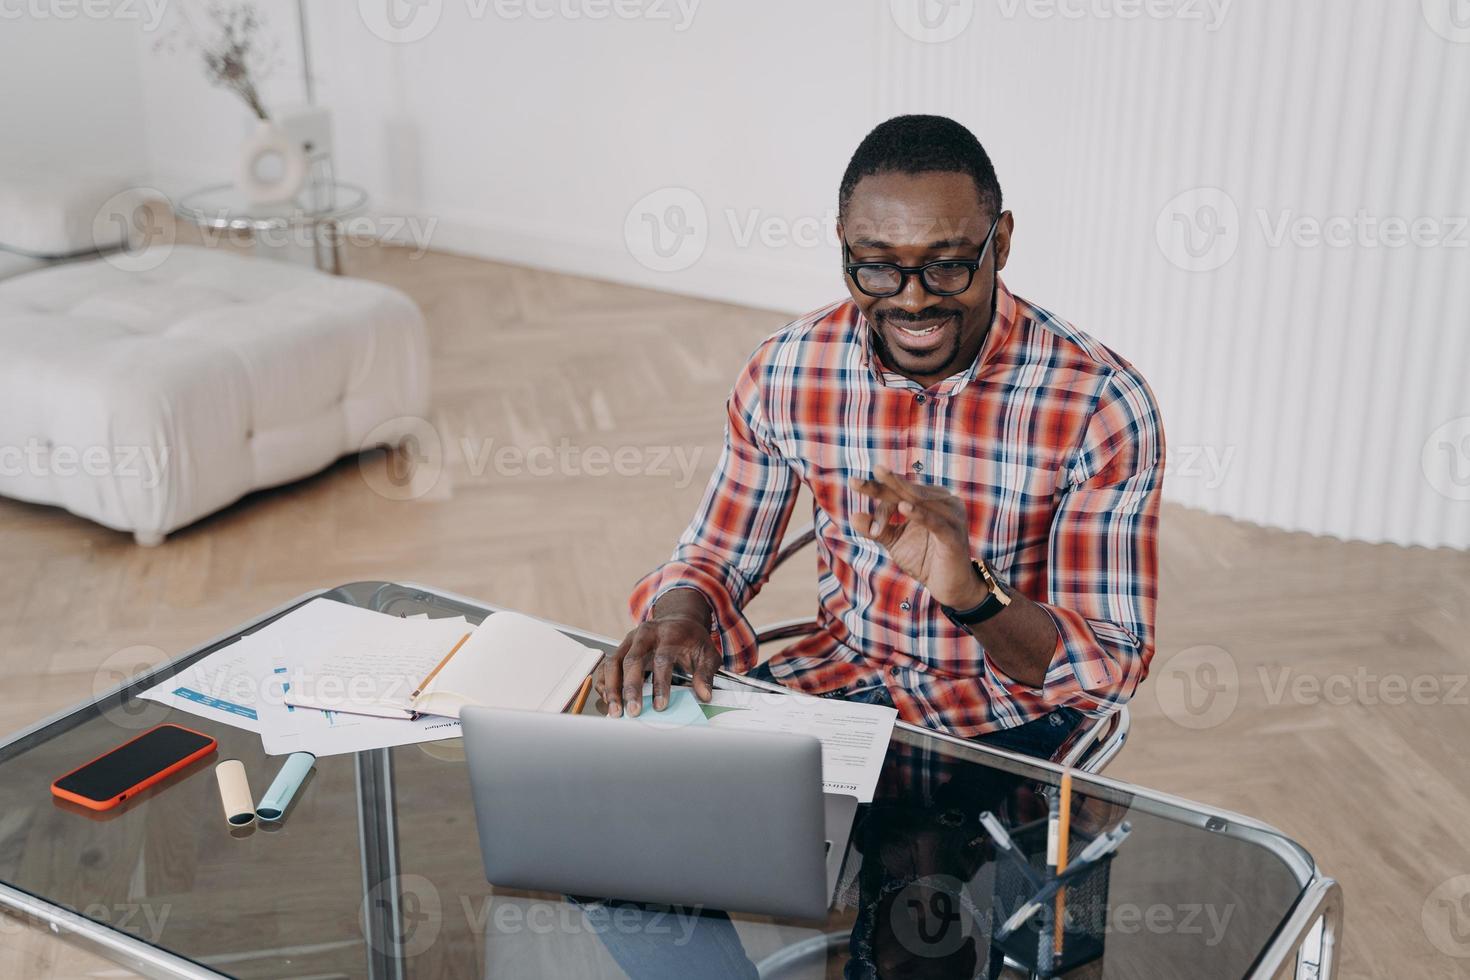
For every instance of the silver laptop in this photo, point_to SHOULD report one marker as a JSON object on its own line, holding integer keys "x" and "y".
{"x": 611, "y": 808}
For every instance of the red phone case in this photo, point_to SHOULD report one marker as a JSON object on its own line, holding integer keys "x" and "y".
{"x": 157, "y": 777}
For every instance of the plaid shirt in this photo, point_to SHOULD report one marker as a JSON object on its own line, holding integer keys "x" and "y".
{"x": 1055, "y": 445}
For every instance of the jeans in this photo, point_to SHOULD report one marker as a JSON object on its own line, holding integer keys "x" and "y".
{"x": 1039, "y": 738}
{"x": 712, "y": 948}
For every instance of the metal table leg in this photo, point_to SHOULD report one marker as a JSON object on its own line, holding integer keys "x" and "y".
{"x": 377, "y": 833}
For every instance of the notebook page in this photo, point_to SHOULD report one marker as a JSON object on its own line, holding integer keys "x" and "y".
{"x": 511, "y": 661}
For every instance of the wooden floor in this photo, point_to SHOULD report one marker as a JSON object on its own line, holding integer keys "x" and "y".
{"x": 1310, "y": 642}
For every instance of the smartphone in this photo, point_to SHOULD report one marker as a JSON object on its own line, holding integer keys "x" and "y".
{"x": 132, "y": 767}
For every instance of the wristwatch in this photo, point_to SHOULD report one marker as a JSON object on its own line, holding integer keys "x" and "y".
{"x": 989, "y": 607}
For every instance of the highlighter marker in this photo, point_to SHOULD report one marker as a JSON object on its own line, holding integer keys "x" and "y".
{"x": 234, "y": 793}
{"x": 273, "y": 805}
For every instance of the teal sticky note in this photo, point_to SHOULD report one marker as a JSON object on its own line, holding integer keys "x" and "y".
{"x": 683, "y": 710}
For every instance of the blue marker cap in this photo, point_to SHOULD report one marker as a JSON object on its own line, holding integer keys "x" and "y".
{"x": 288, "y": 780}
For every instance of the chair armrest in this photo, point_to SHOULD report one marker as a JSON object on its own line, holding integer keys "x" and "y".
{"x": 1091, "y": 747}
{"x": 786, "y": 629}
{"x": 794, "y": 542}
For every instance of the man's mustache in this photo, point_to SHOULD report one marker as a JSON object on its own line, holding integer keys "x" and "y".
{"x": 904, "y": 316}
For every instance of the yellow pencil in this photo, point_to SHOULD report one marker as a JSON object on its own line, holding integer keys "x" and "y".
{"x": 1064, "y": 829}
{"x": 580, "y": 701}
{"x": 440, "y": 666}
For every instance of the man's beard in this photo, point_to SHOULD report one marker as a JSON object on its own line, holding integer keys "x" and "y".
{"x": 899, "y": 317}
{"x": 949, "y": 366}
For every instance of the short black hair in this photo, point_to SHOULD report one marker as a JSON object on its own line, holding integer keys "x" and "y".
{"x": 921, "y": 145}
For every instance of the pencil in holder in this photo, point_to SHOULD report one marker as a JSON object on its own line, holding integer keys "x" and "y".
{"x": 1031, "y": 942}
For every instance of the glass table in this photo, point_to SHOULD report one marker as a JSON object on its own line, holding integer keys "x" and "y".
{"x": 376, "y": 871}
{"x": 317, "y": 211}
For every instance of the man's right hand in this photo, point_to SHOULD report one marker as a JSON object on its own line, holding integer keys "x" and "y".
{"x": 677, "y": 634}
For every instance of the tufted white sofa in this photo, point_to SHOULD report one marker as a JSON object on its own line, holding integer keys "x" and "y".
{"x": 144, "y": 391}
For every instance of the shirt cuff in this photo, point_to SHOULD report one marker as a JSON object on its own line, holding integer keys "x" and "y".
{"x": 1088, "y": 664}
{"x": 730, "y": 630}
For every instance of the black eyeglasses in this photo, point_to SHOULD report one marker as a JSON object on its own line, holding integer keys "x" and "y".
{"x": 947, "y": 277}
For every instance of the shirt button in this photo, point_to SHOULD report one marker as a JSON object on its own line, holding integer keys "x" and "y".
{"x": 892, "y": 671}
{"x": 904, "y": 605}
{"x": 918, "y": 466}
{"x": 920, "y": 398}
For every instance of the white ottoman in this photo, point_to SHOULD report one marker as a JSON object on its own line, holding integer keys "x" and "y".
{"x": 144, "y": 400}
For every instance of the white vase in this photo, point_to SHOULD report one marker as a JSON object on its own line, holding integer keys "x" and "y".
{"x": 263, "y": 182}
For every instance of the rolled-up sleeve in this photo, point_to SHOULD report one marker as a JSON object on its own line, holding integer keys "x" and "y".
{"x": 727, "y": 550}
{"x": 1102, "y": 583}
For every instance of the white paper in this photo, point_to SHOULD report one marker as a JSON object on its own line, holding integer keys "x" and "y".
{"x": 371, "y": 665}
{"x": 286, "y": 728}
{"x": 854, "y": 736}
{"x": 224, "y": 686}
{"x": 241, "y": 685}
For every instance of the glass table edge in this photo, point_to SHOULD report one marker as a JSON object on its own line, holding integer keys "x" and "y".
{"x": 152, "y": 960}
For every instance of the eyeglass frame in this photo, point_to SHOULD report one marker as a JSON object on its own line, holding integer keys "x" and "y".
{"x": 905, "y": 271}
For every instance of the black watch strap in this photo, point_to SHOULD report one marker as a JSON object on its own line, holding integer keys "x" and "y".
{"x": 975, "y": 615}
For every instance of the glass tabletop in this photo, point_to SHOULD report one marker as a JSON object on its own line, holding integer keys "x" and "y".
{"x": 224, "y": 206}
{"x": 376, "y": 871}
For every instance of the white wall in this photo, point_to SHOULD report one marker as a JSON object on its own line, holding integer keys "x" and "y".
{"x": 1303, "y": 385}
{"x": 71, "y": 91}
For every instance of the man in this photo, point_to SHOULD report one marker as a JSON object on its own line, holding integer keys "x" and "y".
{"x": 986, "y": 480}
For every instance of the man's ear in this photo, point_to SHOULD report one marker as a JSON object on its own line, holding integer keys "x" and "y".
{"x": 1002, "y": 243}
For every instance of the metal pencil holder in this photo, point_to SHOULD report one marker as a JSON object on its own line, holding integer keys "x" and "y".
{"x": 1084, "y": 927}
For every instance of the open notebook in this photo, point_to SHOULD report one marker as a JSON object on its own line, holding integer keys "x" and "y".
{"x": 508, "y": 661}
